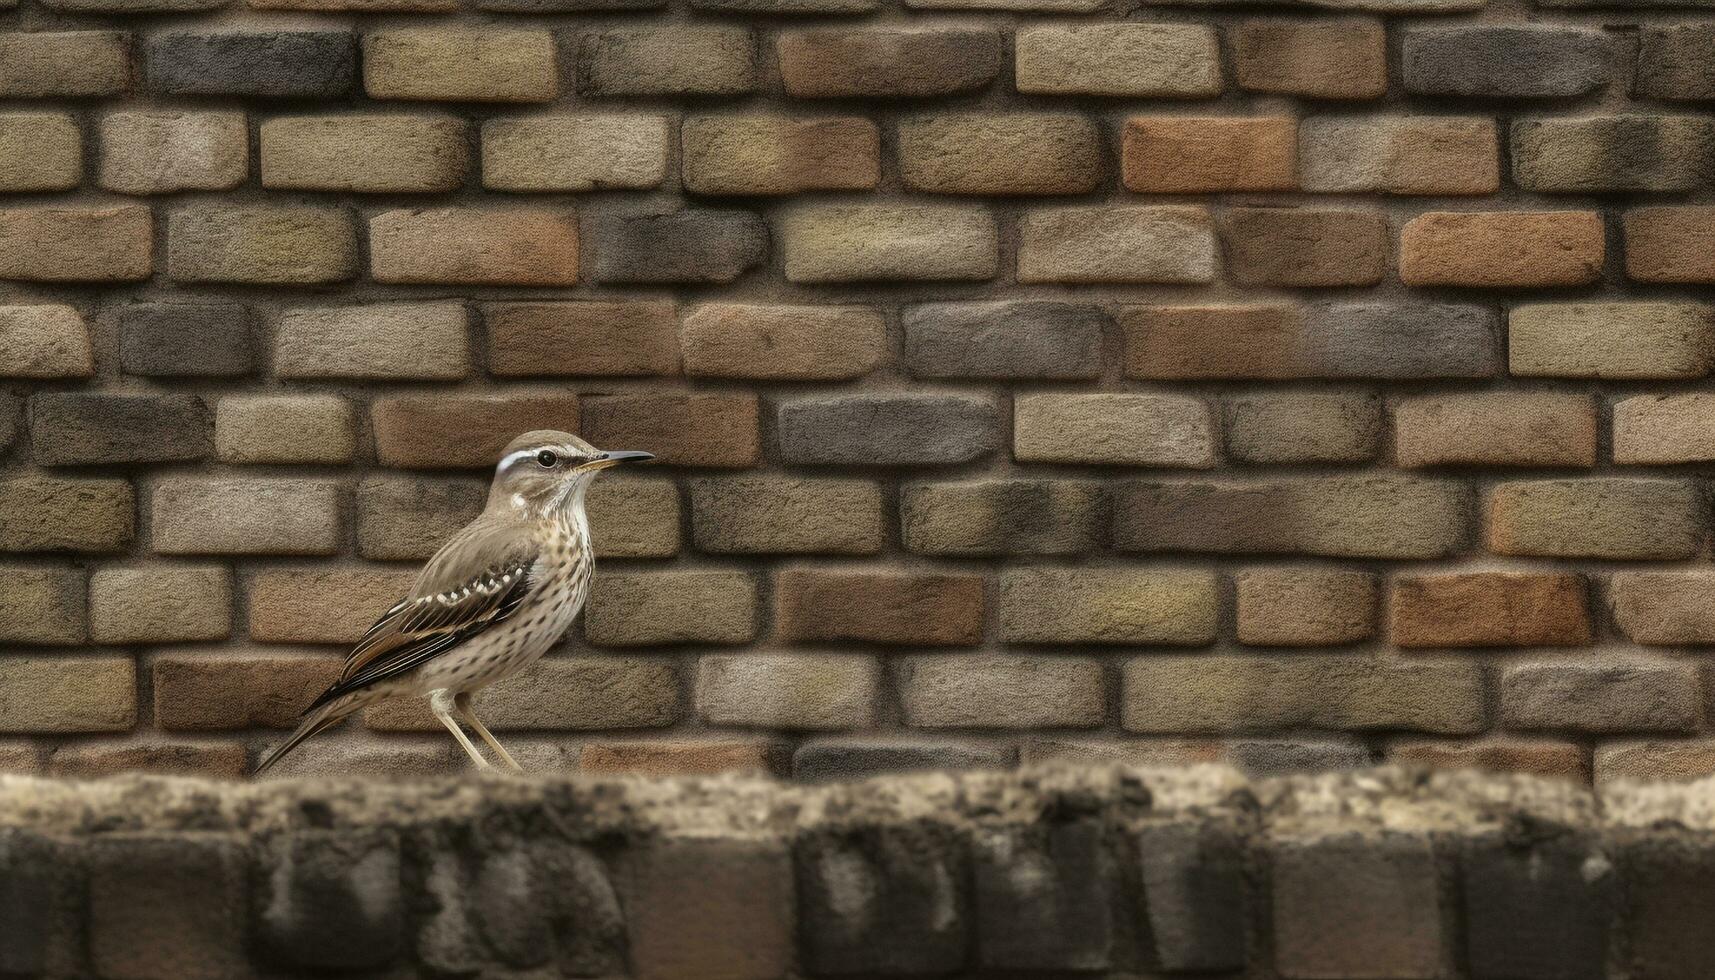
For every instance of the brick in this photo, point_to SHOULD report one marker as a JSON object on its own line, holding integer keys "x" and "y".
{"x": 44, "y": 342}
{"x": 315, "y": 429}
{"x": 713, "y": 430}
{"x": 905, "y": 918}
{"x": 1631, "y": 341}
{"x": 1126, "y": 429}
{"x": 1674, "y": 62}
{"x": 76, "y": 428}
{"x": 196, "y": 691}
{"x": 981, "y": 690}
{"x": 58, "y": 65}
{"x": 650, "y": 608}
{"x": 185, "y": 340}
{"x": 1007, "y": 339}
{"x": 1496, "y": 428}
{"x": 1489, "y": 609}
{"x": 1001, "y": 517}
{"x": 1664, "y": 608}
{"x": 1000, "y": 153}
{"x": 610, "y": 151}
{"x": 1505, "y": 61}
{"x": 682, "y": 59}
{"x": 163, "y": 906}
{"x": 1167, "y": 607}
{"x": 405, "y": 517}
{"x": 371, "y": 760}
{"x": 856, "y": 758}
{"x": 634, "y": 517}
{"x": 1614, "y": 693}
{"x": 782, "y": 343}
{"x": 715, "y": 907}
{"x": 164, "y": 152}
{"x": 1343, "y": 517}
{"x": 44, "y": 513}
{"x": 160, "y": 603}
{"x": 1303, "y": 427}
{"x": 1502, "y": 249}
{"x": 323, "y": 604}
{"x": 1338, "y": 58}
{"x": 1432, "y": 155}
{"x": 862, "y": 242}
{"x": 1222, "y": 693}
{"x": 788, "y": 6}
{"x": 1305, "y": 605}
{"x": 914, "y": 62}
{"x": 359, "y": 6}
{"x": 462, "y": 431}
{"x": 378, "y": 341}
{"x": 76, "y": 244}
{"x": 1194, "y": 888}
{"x": 332, "y": 900}
{"x": 206, "y": 515}
{"x": 1124, "y": 243}
{"x": 1160, "y": 61}
{"x": 906, "y": 429}
{"x": 769, "y": 515}
{"x": 371, "y": 154}
{"x": 1210, "y": 154}
{"x": 96, "y": 760}
{"x": 34, "y": 893}
{"x": 263, "y": 244}
{"x": 475, "y": 246}
{"x": 769, "y": 154}
{"x": 606, "y": 339}
{"x": 687, "y": 757}
{"x": 1555, "y": 760}
{"x": 559, "y": 693}
{"x": 556, "y": 6}
{"x": 883, "y": 606}
{"x": 1607, "y": 517}
{"x": 1655, "y": 761}
{"x": 1354, "y": 905}
{"x": 461, "y": 64}
{"x": 687, "y": 245}
{"x": 313, "y": 64}
{"x": 1039, "y": 898}
{"x": 1594, "y": 154}
{"x": 1348, "y": 340}
{"x": 1266, "y": 758}
{"x": 1304, "y": 247}
{"x": 1050, "y": 6}
{"x": 1536, "y": 910}
{"x": 82, "y": 693}
{"x": 1665, "y": 905}
{"x": 42, "y": 606}
{"x": 812, "y": 691}
{"x": 1675, "y": 244}
{"x": 39, "y": 151}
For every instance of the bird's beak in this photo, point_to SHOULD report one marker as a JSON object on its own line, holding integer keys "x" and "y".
{"x": 619, "y": 456}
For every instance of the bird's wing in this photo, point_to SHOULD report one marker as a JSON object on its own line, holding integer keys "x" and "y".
{"x": 477, "y": 580}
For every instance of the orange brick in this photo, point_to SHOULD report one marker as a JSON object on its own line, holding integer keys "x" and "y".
{"x": 1502, "y": 249}
{"x": 1671, "y": 244}
{"x": 1486, "y": 609}
{"x": 1200, "y": 154}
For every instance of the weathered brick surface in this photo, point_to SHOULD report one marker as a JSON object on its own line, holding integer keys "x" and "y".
{"x": 262, "y": 244}
{"x": 860, "y": 243}
{"x": 1639, "y": 340}
{"x": 203, "y": 515}
{"x": 76, "y": 244}
{"x": 1305, "y": 605}
{"x": 1475, "y": 609}
{"x": 704, "y": 59}
{"x": 1321, "y": 427}
{"x": 1664, "y": 608}
{"x": 1004, "y": 340}
{"x": 43, "y": 606}
{"x": 1117, "y": 244}
{"x": 1656, "y": 429}
{"x": 1503, "y": 249}
{"x": 768, "y": 515}
{"x": 1628, "y": 152}
{"x": 71, "y": 64}
{"x": 1000, "y": 154}
{"x": 691, "y": 245}
{"x": 574, "y": 152}
{"x": 1109, "y": 605}
{"x": 183, "y": 340}
{"x": 64, "y": 694}
{"x": 1342, "y": 58}
{"x": 163, "y": 152}
{"x": 1538, "y": 61}
{"x": 1301, "y": 247}
{"x": 50, "y": 513}
{"x": 718, "y": 431}
{"x": 759, "y": 154}
{"x": 526, "y": 247}
{"x": 1617, "y": 693}
{"x": 1674, "y": 62}
{"x": 1430, "y": 155}
{"x": 1198, "y": 155}
{"x": 987, "y": 691}
{"x": 542, "y": 339}
{"x": 283, "y": 64}
{"x": 1134, "y": 60}
{"x": 1001, "y": 517}
{"x": 160, "y": 603}
{"x": 424, "y": 341}
{"x": 887, "y": 430}
{"x": 378, "y": 154}
{"x": 1670, "y": 244}
{"x": 652, "y": 608}
{"x": 890, "y": 63}
{"x": 1496, "y": 429}
{"x": 461, "y": 64}
{"x": 464, "y": 431}
{"x": 285, "y": 429}
{"x": 816, "y": 605}
{"x": 782, "y": 343}
{"x": 1135, "y": 430}
{"x": 807, "y": 691}
{"x": 79, "y": 429}
{"x": 1605, "y": 517}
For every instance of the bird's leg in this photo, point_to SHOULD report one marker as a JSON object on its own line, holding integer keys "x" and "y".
{"x": 461, "y": 702}
{"x": 442, "y": 704}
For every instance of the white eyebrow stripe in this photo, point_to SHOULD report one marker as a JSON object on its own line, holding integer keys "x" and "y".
{"x": 515, "y": 456}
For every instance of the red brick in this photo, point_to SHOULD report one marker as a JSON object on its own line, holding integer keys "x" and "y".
{"x": 1486, "y": 609}
{"x": 714, "y": 430}
{"x": 1502, "y": 249}
{"x": 1670, "y": 244}
{"x": 916, "y": 609}
{"x": 1210, "y": 154}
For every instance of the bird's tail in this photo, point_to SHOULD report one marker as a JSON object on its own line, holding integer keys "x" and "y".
{"x": 315, "y": 721}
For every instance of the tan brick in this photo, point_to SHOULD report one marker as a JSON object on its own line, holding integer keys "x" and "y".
{"x": 1304, "y": 427}
{"x": 1000, "y": 153}
{"x": 787, "y": 515}
{"x": 1133, "y": 752}
{"x": 42, "y": 605}
{"x": 1609, "y": 517}
{"x": 1670, "y": 244}
{"x": 1665, "y": 608}
{"x": 1169, "y": 607}
{"x": 609, "y": 151}
{"x": 1431, "y": 155}
{"x": 1655, "y": 761}
{"x": 265, "y": 244}
{"x": 39, "y": 151}
{"x": 856, "y": 243}
{"x": 911, "y": 62}
{"x": 44, "y": 513}
{"x": 461, "y": 64}
{"x": 166, "y": 151}
{"x": 1633, "y": 341}
{"x": 1664, "y": 428}
{"x": 76, "y": 64}
{"x": 44, "y": 342}
{"x": 796, "y": 691}
{"x": 1325, "y": 58}
{"x": 668, "y": 59}
{"x": 1160, "y": 61}
{"x": 199, "y": 690}
{"x": 559, "y": 693}
{"x": 1125, "y": 243}
{"x": 160, "y": 603}
{"x": 634, "y": 517}
{"x": 782, "y": 343}
{"x": 715, "y": 430}
{"x": 322, "y": 605}
{"x": 981, "y": 690}
{"x": 650, "y": 608}
{"x": 1561, "y": 760}
{"x": 81, "y": 693}
{"x": 769, "y": 154}
{"x": 878, "y": 606}
{"x": 1502, "y": 249}
{"x": 677, "y": 757}
{"x": 476, "y": 246}
{"x": 1305, "y": 605}
{"x": 1304, "y": 247}
{"x": 1496, "y": 428}
{"x": 1204, "y": 154}
{"x": 95, "y": 760}
{"x": 606, "y": 339}
{"x": 377, "y": 341}
{"x": 1616, "y": 692}
{"x": 285, "y": 429}
{"x": 20, "y": 758}
{"x": 359, "y": 6}
{"x": 369, "y": 153}
{"x": 77, "y": 244}
{"x": 1002, "y": 517}
{"x": 1490, "y": 609}
{"x": 208, "y": 515}
{"x": 407, "y": 517}
{"x": 464, "y": 431}
{"x": 1126, "y": 429}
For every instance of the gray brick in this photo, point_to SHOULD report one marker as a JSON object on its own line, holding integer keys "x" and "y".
{"x": 1266, "y": 758}
{"x": 1001, "y": 517}
{"x": 1630, "y": 152}
{"x": 887, "y": 430}
{"x": 402, "y": 517}
{"x": 1357, "y": 906}
{"x": 1304, "y": 427}
{"x": 1043, "y": 898}
{"x": 700, "y": 59}
{"x": 1539, "y": 911}
{"x": 882, "y": 901}
{"x": 1019, "y": 339}
{"x": 1505, "y": 61}
{"x": 185, "y": 340}
{"x": 167, "y": 906}
{"x": 332, "y": 901}
{"x": 816, "y": 761}
{"x": 786, "y": 515}
{"x": 1194, "y": 890}
{"x": 1385, "y": 340}
{"x": 887, "y": 62}
{"x": 1677, "y": 62}
{"x": 273, "y": 64}
{"x": 75, "y": 428}
{"x": 674, "y": 246}
{"x": 35, "y": 878}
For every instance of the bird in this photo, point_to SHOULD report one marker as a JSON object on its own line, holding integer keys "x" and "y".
{"x": 491, "y": 601}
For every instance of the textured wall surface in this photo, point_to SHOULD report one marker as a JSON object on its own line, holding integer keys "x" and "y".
{"x": 1031, "y": 378}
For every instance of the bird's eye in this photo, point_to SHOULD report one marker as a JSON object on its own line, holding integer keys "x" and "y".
{"x": 547, "y": 458}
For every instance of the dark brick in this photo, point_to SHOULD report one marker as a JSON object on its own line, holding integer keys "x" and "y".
{"x": 1265, "y": 758}
{"x": 401, "y": 517}
{"x": 421, "y": 431}
{"x": 709, "y": 907}
{"x": 1357, "y": 905}
{"x": 275, "y": 64}
{"x": 1044, "y": 898}
{"x": 677, "y": 59}
{"x": 51, "y": 514}
{"x": 566, "y": 6}
{"x": 1669, "y": 907}
{"x": 1536, "y": 911}
{"x": 718, "y": 430}
{"x": 674, "y": 246}
{"x": 541, "y": 339}
{"x": 527, "y": 906}
{"x": 1194, "y": 891}
{"x": 185, "y": 340}
{"x": 1001, "y": 517}
{"x": 887, "y": 430}
{"x": 332, "y": 901}
{"x": 887, "y": 63}
{"x": 75, "y": 428}
{"x": 1020, "y": 339}
{"x": 167, "y": 906}
{"x": 846, "y": 759}
{"x": 1676, "y": 62}
{"x": 882, "y": 900}
{"x": 10, "y": 406}
{"x": 1505, "y": 61}
{"x": 1305, "y": 247}
{"x": 36, "y": 880}
{"x": 1632, "y": 152}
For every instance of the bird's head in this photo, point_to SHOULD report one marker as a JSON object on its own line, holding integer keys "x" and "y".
{"x": 544, "y": 470}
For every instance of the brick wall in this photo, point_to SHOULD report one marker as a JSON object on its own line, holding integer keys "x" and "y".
{"x": 1032, "y": 378}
